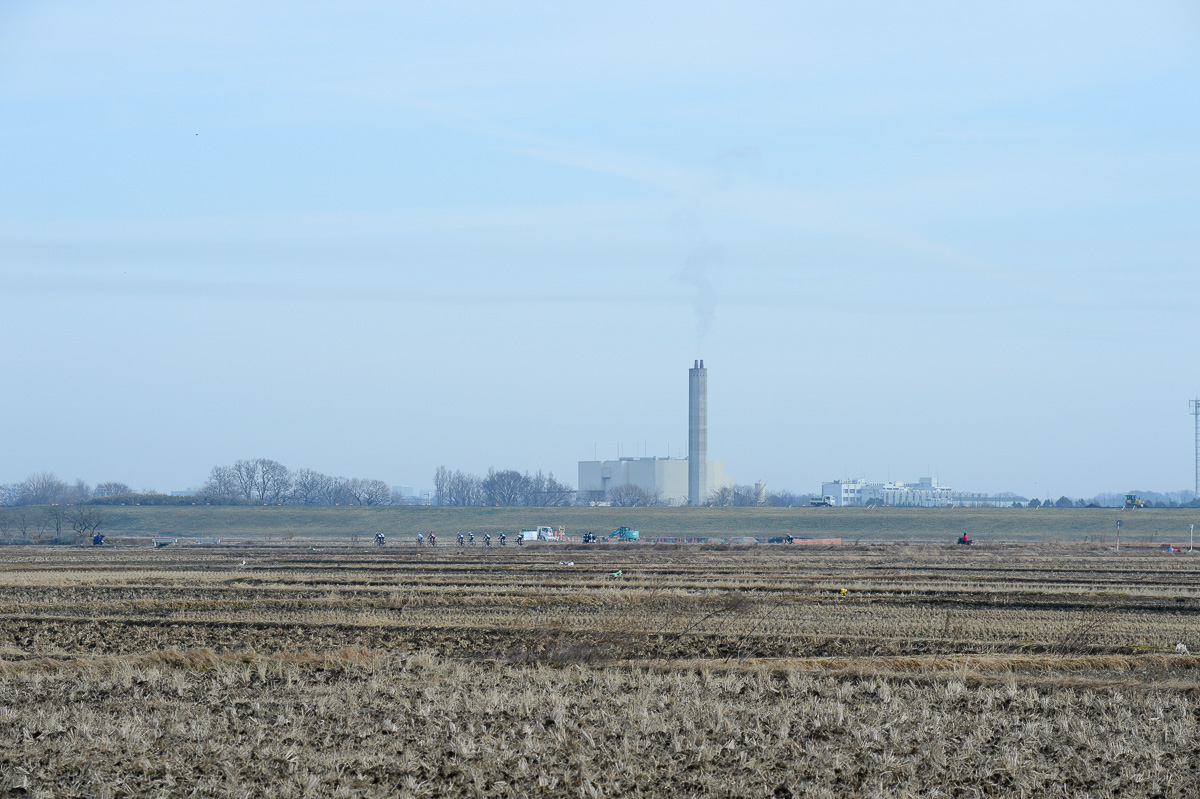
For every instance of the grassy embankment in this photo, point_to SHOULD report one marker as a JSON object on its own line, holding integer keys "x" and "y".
{"x": 986, "y": 525}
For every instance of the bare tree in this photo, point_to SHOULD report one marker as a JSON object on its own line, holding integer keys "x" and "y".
{"x": 245, "y": 479}
{"x": 745, "y": 496}
{"x": 505, "y": 488}
{"x": 722, "y": 496}
{"x": 457, "y": 488}
{"x": 310, "y": 488}
{"x": 10, "y": 493}
{"x": 546, "y": 492}
{"x": 338, "y": 492}
{"x": 221, "y": 486}
{"x": 375, "y": 492}
{"x": 79, "y": 492}
{"x": 261, "y": 480}
{"x": 787, "y": 499}
{"x": 274, "y": 480}
{"x": 42, "y": 488}
{"x": 55, "y": 517}
{"x": 366, "y": 492}
{"x": 441, "y": 486}
{"x": 84, "y": 519}
{"x": 628, "y": 495}
{"x": 112, "y": 489}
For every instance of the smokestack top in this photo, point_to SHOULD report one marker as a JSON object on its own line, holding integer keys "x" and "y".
{"x": 701, "y": 363}
{"x": 695, "y": 364}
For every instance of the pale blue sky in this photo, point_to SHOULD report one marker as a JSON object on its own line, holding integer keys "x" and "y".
{"x": 372, "y": 238}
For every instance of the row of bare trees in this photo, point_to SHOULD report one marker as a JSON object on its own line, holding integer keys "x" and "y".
{"x": 506, "y": 487}
{"x": 44, "y": 488}
{"x": 38, "y": 524}
{"x": 268, "y": 482}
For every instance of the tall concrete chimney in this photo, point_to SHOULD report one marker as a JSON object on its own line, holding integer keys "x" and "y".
{"x": 697, "y": 434}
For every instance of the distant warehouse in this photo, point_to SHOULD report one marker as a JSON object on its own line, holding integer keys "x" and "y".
{"x": 925, "y": 493}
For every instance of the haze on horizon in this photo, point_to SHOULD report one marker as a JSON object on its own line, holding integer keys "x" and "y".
{"x": 372, "y": 238}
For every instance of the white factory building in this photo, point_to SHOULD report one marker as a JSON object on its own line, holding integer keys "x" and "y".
{"x": 925, "y": 493}
{"x": 666, "y": 477}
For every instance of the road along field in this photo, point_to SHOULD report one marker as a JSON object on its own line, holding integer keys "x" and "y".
{"x": 599, "y": 671}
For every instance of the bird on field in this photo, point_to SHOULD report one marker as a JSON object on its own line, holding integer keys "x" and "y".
{"x": 243, "y": 561}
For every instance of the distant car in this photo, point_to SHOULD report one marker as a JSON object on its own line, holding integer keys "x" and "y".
{"x": 781, "y": 539}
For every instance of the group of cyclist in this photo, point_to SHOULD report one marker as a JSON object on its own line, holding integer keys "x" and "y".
{"x": 469, "y": 540}
{"x": 464, "y": 541}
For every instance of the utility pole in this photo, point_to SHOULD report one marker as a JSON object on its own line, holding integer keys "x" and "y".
{"x": 1191, "y": 536}
{"x": 1118, "y": 535}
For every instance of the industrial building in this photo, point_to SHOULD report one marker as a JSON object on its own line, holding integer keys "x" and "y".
{"x": 925, "y": 493}
{"x": 670, "y": 481}
{"x": 666, "y": 479}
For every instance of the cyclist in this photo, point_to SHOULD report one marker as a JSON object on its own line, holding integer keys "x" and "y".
{"x": 502, "y": 540}
{"x": 487, "y": 539}
{"x": 460, "y": 540}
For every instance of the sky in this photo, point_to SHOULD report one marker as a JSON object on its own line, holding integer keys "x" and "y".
{"x": 372, "y": 238}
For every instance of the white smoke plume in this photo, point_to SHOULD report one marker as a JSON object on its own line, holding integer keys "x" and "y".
{"x": 699, "y": 266}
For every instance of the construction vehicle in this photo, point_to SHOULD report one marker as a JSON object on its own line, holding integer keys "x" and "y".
{"x": 624, "y": 534}
{"x": 821, "y": 502}
{"x": 1134, "y": 501}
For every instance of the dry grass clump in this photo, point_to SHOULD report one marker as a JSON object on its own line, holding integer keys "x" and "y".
{"x": 361, "y": 723}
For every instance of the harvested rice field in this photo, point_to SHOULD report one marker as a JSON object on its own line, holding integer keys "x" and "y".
{"x": 565, "y": 670}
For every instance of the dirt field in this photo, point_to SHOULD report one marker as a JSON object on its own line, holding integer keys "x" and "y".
{"x": 695, "y": 671}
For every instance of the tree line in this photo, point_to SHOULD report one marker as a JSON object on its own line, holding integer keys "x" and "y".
{"x": 252, "y": 481}
{"x": 45, "y": 488}
{"x": 506, "y": 487}
{"x": 262, "y": 481}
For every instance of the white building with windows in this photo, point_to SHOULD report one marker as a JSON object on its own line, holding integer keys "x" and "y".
{"x": 925, "y": 493}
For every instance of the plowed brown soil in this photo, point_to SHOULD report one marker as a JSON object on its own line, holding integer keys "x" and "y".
{"x": 606, "y": 671}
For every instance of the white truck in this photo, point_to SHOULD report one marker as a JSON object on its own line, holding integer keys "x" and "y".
{"x": 543, "y": 533}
